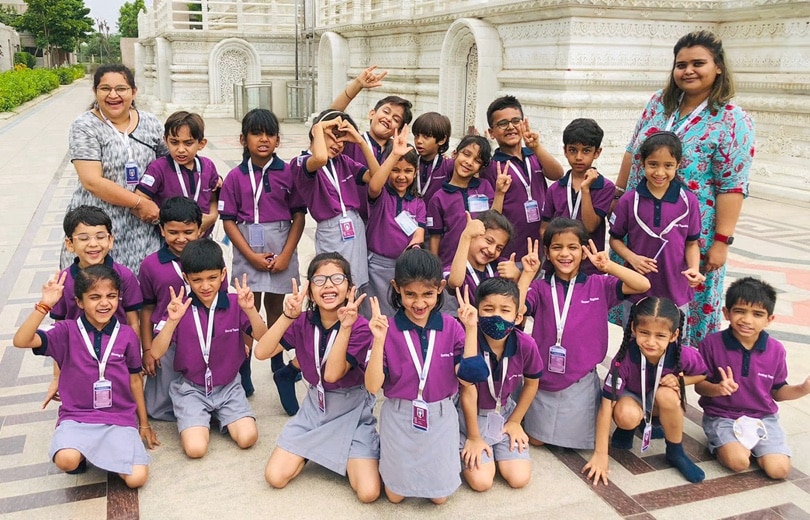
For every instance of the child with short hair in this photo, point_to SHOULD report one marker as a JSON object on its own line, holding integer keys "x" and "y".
{"x": 491, "y": 431}
{"x": 634, "y": 390}
{"x": 582, "y": 193}
{"x": 464, "y": 192}
{"x": 570, "y": 327}
{"x": 431, "y": 137}
{"x": 335, "y": 426}
{"x": 180, "y": 223}
{"x": 527, "y": 166}
{"x": 748, "y": 375}
{"x": 183, "y": 172}
{"x": 660, "y": 220}
{"x": 209, "y": 382}
{"x": 102, "y": 418}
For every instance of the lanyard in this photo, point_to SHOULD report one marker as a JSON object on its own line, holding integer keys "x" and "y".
{"x": 644, "y": 384}
{"x": 527, "y": 185}
{"x": 371, "y": 145}
{"x": 689, "y": 120}
{"x": 491, "y": 383}
{"x": 102, "y": 365}
{"x": 561, "y": 318}
{"x": 331, "y": 174}
{"x": 176, "y": 265}
{"x": 423, "y": 190}
{"x": 183, "y": 182}
{"x": 421, "y": 370}
{"x": 124, "y": 136}
{"x": 257, "y": 192}
{"x": 205, "y": 343}
{"x": 573, "y": 207}
{"x": 329, "y": 344}
{"x": 474, "y": 275}
{"x": 667, "y": 229}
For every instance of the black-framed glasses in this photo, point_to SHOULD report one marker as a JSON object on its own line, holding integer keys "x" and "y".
{"x": 320, "y": 279}
{"x": 84, "y": 238}
{"x": 503, "y": 124}
{"x": 120, "y": 90}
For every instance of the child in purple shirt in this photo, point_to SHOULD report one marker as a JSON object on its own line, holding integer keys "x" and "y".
{"x": 102, "y": 417}
{"x": 748, "y": 375}
{"x": 183, "y": 172}
{"x": 431, "y": 138}
{"x": 648, "y": 376}
{"x": 209, "y": 350}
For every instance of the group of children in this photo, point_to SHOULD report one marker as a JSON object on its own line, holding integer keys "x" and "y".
{"x": 425, "y": 269}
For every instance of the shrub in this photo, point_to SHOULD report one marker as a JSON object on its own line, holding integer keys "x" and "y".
{"x": 19, "y": 86}
{"x": 25, "y": 58}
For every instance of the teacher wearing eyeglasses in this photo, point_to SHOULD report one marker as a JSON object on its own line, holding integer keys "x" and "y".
{"x": 110, "y": 146}
{"x": 718, "y": 148}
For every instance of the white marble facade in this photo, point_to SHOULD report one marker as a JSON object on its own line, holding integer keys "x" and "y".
{"x": 562, "y": 58}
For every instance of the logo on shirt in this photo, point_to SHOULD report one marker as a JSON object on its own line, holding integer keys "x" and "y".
{"x": 148, "y": 179}
{"x": 613, "y": 218}
{"x": 609, "y": 382}
{"x": 767, "y": 376}
{"x": 221, "y": 205}
{"x": 228, "y": 331}
{"x": 446, "y": 354}
{"x": 429, "y": 221}
{"x": 590, "y": 300}
{"x": 116, "y": 354}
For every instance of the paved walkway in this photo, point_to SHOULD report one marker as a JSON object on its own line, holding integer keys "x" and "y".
{"x": 37, "y": 180}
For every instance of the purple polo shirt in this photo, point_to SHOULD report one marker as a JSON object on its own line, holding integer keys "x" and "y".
{"x": 65, "y": 344}
{"x": 473, "y": 281}
{"x": 301, "y": 337}
{"x": 129, "y": 297}
{"x": 227, "y": 348}
{"x": 160, "y": 181}
{"x": 758, "y": 371}
{"x": 629, "y": 374}
{"x": 401, "y": 377}
{"x": 585, "y": 336}
{"x": 668, "y": 282}
{"x": 524, "y": 361}
{"x": 514, "y": 200}
{"x": 383, "y": 234}
{"x": 435, "y": 177}
{"x": 277, "y": 202}
{"x": 317, "y": 191}
{"x": 353, "y": 151}
{"x": 602, "y": 190}
{"x": 445, "y": 214}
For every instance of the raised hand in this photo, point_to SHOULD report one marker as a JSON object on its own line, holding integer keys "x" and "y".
{"x": 694, "y": 277}
{"x": 474, "y": 228}
{"x": 369, "y": 77}
{"x": 400, "y": 144}
{"x": 294, "y": 303}
{"x": 53, "y": 289}
{"x": 347, "y": 314}
{"x": 467, "y": 313}
{"x": 504, "y": 181}
{"x": 508, "y": 269}
{"x": 177, "y": 306}
{"x": 350, "y": 133}
{"x": 599, "y": 259}
{"x": 378, "y": 324}
{"x": 243, "y": 293}
{"x": 727, "y": 384}
{"x": 531, "y": 261}
{"x": 530, "y": 138}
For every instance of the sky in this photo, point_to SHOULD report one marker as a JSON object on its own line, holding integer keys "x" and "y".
{"x": 108, "y": 10}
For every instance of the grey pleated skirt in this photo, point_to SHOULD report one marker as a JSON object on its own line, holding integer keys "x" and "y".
{"x": 275, "y": 236}
{"x": 328, "y": 239}
{"x": 156, "y": 389}
{"x": 105, "y": 446}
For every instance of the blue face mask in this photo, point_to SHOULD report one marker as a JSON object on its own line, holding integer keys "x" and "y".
{"x": 495, "y": 327}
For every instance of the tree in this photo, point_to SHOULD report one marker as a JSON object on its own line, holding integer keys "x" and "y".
{"x": 128, "y": 18}
{"x": 8, "y": 15}
{"x": 56, "y": 23}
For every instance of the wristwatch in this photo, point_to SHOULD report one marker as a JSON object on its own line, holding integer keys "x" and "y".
{"x": 726, "y": 239}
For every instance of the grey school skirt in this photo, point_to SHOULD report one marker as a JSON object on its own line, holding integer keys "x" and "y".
{"x": 105, "y": 446}
{"x": 275, "y": 236}
{"x": 329, "y": 239}
{"x": 348, "y": 429}
{"x": 566, "y": 418}
{"x": 415, "y": 463}
{"x": 156, "y": 389}
{"x": 380, "y": 274}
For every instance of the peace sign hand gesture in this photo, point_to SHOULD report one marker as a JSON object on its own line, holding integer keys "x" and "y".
{"x": 400, "y": 146}
{"x": 467, "y": 313}
{"x": 177, "y": 306}
{"x": 727, "y": 384}
{"x": 504, "y": 181}
{"x": 244, "y": 296}
{"x": 599, "y": 259}
{"x": 294, "y": 303}
{"x": 53, "y": 289}
{"x": 347, "y": 314}
{"x": 531, "y": 262}
{"x": 378, "y": 324}
{"x": 530, "y": 137}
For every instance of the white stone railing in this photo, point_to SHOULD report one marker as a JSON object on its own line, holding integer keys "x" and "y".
{"x": 219, "y": 16}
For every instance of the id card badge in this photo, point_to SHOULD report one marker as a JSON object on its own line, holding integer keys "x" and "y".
{"x": 102, "y": 394}
{"x": 532, "y": 209}
{"x": 420, "y": 415}
{"x": 256, "y": 236}
{"x": 321, "y": 398}
{"x": 131, "y": 170}
{"x": 493, "y": 433}
{"x": 646, "y": 437}
{"x": 407, "y": 223}
{"x": 556, "y": 359}
{"x": 209, "y": 383}
{"x": 478, "y": 203}
{"x": 346, "y": 229}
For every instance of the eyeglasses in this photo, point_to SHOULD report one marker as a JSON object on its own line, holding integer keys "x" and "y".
{"x": 503, "y": 124}
{"x": 84, "y": 238}
{"x": 319, "y": 279}
{"x": 120, "y": 90}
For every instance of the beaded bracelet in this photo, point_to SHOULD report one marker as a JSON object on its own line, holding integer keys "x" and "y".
{"x": 44, "y": 308}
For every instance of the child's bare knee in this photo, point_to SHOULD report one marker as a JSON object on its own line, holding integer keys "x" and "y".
{"x": 138, "y": 477}
{"x": 67, "y": 459}
{"x": 775, "y": 466}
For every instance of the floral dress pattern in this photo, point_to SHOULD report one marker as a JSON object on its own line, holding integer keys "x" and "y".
{"x": 718, "y": 148}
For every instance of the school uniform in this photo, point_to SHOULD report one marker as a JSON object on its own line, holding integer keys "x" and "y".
{"x": 321, "y": 196}
{"x": 520, "y": 359}
{"x": 662, "y": 239}
{"x": 387, "y": 238}
{"x": 270, "y": 206}
{"x": 445, "y": 213}
{"x": 188, "y": 393}
{"x": 346, "y": 429}
{"x": 527, "y": 177}
{"x": 164, "y": 179}
{"x": 564, "y": 410}
{"x": 562, "y": 201}
{"x": 758, "y": 372}
{"x": 414, "y": 462}
{"x": 129, "y": 297}
{"x": 431, "y": 175}
{"x": 108, "y": 436}
{"x": 355, "y": 152}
